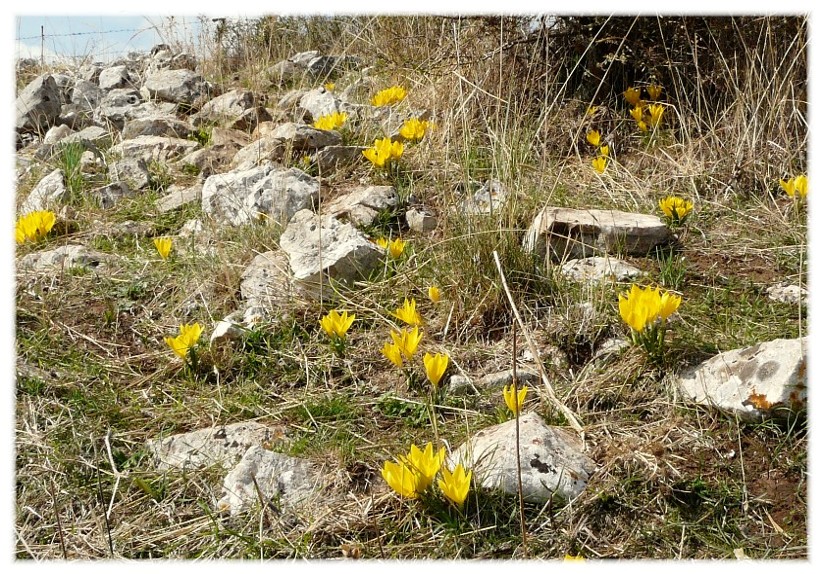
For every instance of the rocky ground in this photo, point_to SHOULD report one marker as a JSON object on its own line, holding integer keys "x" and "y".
{"x": 271, "y": 443}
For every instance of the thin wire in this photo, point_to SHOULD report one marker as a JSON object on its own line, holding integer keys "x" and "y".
{"x": 86, "y": 33}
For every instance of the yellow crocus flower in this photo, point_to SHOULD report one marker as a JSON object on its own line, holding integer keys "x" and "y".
{"x": 408, "y": 313}
{"x": 455, "y": 485}
{"x": 514, "y": 400}
{"x": 435, "y": 366}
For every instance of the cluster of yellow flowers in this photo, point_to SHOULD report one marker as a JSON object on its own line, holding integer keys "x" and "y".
{"x": 388, "y": 96}
{"x": 383, "y": 152}
{"x": 33, "y": 226}
{"x": 331, "y": 121}
{"x": 595, "y": 139}
{"x": 414, "y": 473}
{"x": 395, "y": 247}
{"x": 643, "y": 306}
{"x": 795, "y": 186}
{"x": 675, "y": 209}
{"x": 186, "y": 340}
{"x": 413, "y": 129}
{"x": 654, "y": 111}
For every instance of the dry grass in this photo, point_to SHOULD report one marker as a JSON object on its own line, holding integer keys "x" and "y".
{"x": 673, "y": 481}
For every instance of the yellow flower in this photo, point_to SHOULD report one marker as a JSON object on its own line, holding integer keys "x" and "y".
{"x": 675, "y": 208}
{"x": 599, "y": 164}
{"x": 632, "y": 95}
{"x": 639, "y": 307}
{"x": 163, "y": 245}
{"x": 569, "y": 558}
{"x": 396, "y": 247}
{"x": 435, "y": 366}
{"x": 668, "y": 304}
{"x": 34, "y": 225}
{"x": 389, "y": 96}
{"x": 188, "y": 337}
{"x": 636, "y": 113}
{"x": 403, "y": 479}
{"x": 407, "y": 341}
{"x": 425, "y": 463}
{"x": 331, "y": 121}
{"x": 514, "y": 401}
{"x": 382, "y": 242}
{"x": 393, "y": 353}
{"x": 434, "y": 294}
{"x": 455, "y": 485}
{"x": 795, "y": 185}
{"x": 593, "y": 138}
{"x": 643, "y": 127}
{"x": 414, "y": 129}
{"x": 408, "y": 313}
{"x": 654, "y": 91}
{"x": 801, "y": 185}
{"x": 604, "y": 150}
{"x": 656, "y": 111}
{"x": 337, "y": 325}
{"x": 384, "y": 151}
{"x": 591, "y": 111}
{"x": 329, "y": 87}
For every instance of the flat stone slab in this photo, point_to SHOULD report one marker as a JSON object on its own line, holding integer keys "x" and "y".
{"x": 765, "y": 380}
{"x": 564, "y": 233}
{"x": 266, "y": 282}
{"x": 362, "y": 205}
{"x": 63, "y": 258}
{"x": 786, "y": 293}
{"x": 178, "y": 197}
{"x": 593, "y": 269}
{"x": 551, "y": 459}
{"x": 223, "y": 445}
{"x": 154, "y": 148}
{"x": 286, "y": 481}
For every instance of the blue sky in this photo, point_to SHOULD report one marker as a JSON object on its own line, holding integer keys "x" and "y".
{"x": 103, "y": 37}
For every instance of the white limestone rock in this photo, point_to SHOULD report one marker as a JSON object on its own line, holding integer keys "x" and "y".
{"x": 154, "y": 148}
{"x": 265, "y": 192}
{"x": 563, "y": 233}
{"x": 594, "y": 269}
{"x": 362, "y": 205}
{"x": 324, "y": 249}
{"x": 765, "y": 380}
{"x": 223, "y": 445}
{"x": 46, "y": 194}
{"x": 551, "y": 459}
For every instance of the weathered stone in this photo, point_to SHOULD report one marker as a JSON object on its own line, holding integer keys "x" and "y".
{"x": 266, "y": 282}
{"x": 250, "y": 119}
{"x": 334, "y": 157}
{"x": 177, "y": 86}
{"x": 360, "y": 90}
{"x": 223, "y": 445}
{"x": 65, "y": 84}
{"x": 420, "y": 220}
{"x": 132, "y": 171}
{"x": 114, "y": 105}
{"x": 56, "y": 133}
{"x": 38, "y": 105}
{"x": 551, "y": 460}
{"x": 46, "y": 194}
{"x": 177, "y": 197}
{"x": 227, "y": 330}
{"x": 323, "y": 249}
{"x": 229, "y": 137}
{"x": 264, "y": 150}
{"x": 564, "y": 233}
{"x": 224, "y": 108}
{"x": 147, "y": 110}
{"x": 786, "y": 293}
{"x": 304, "y": 137}
{"x": 210, "y": 160}
{"x": 302, "y": 59}
{"x": 283, "y": 72}
{"x": 593, "y": 269}
{"x": 167, "y": 126}
{"x": 190, "y": 228}
{"x": 116, "y": 77}
{"x": 333, "y": 66}
{"x": 525, "y": 377}
{"x": 291, "y": 99}
{"x": 291, "y": 482}
{"x": 362, "y": 205}
{"x": 108, "y": 196}
{"x": 75, "y": 117}
{"x": 91, "y": 72}
{"x": 240, "y": 197}
{"x": 86, "y": 95}
{"x": 93, "y": 134}
{"x": 487, "y": 199}
{"x": 154, "y": 148}
{"x": 319, "y": 102}
{"x": 768, "y": 379}
{"x": 63, "y": 258}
